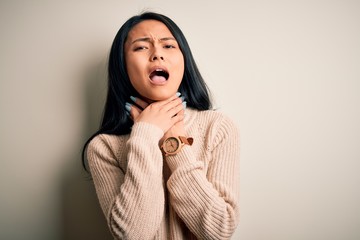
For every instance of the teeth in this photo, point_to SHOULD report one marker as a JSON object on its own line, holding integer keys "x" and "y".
{"x": 159, "y": 72}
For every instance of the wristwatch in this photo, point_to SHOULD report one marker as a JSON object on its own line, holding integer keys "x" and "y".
{"x": 173, "y": 145}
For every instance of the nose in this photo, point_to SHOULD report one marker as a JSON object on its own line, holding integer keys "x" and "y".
{"x": 156, "y": 55}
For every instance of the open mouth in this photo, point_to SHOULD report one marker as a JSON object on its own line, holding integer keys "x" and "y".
{"x": 159, "y": 75}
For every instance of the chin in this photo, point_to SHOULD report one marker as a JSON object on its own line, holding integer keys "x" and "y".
{"x": 160, "y": 96}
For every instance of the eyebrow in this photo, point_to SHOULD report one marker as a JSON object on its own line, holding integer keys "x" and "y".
{"x": 147, "y": 39}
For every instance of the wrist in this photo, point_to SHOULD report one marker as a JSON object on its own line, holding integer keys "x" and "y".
{"x": 175, "y": 131}
{"x": 174, "y": 144}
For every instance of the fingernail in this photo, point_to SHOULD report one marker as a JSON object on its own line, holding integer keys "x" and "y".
{"x": 178, "y": 94}
{"x": 127, "y": 106}
{"x": 184, "y": 104}
{"x": 182, "y": 98}
{"x": 133, "y": 98}
{"x": 127, "y": 113}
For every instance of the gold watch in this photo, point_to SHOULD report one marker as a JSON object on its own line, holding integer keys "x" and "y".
{"x": 173, "y": 145}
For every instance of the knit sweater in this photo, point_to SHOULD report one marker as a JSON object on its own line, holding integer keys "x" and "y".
{"x": 190, "y": 195}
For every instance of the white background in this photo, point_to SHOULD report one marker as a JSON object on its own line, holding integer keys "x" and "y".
{"x": 288, "y": 72}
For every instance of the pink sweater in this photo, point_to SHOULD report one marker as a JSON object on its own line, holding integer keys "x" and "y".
{"x": 191, "y": 195}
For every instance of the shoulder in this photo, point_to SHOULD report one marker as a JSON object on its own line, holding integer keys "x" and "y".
{"x": 212, "y": 119}
{"x": 105, "y": 146}
{"x": 106, "y": 140}
{"x": 216, "y": 126}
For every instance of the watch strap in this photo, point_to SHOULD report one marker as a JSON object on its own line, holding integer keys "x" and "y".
{"x": 188, "y": 141}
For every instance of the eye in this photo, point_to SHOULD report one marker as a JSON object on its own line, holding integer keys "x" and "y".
{"x": 139, "y": 48}
{"x": 169, "y": 46}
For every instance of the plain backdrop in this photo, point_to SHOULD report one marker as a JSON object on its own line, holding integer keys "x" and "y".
{"x": 288, "y": 73}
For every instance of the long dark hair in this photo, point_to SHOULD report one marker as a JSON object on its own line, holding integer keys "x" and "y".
{"x": 192, "y": 87}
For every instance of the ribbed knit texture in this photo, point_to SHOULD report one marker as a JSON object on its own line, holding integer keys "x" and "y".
{"x": 191, "y": 195}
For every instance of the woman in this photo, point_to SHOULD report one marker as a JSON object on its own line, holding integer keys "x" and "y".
{"x": 164, "y": 165}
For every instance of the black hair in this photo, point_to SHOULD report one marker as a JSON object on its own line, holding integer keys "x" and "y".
{"x": 193, "y": 87}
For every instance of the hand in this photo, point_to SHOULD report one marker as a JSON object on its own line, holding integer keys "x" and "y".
{"x": 177, "y": 129}
{"x": 164, "y": 114}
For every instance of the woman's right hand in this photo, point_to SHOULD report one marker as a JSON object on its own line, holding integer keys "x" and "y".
{"x": 164, "y": 114}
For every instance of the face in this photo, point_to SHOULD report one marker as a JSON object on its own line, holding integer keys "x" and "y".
{"x": 154, "y": 62}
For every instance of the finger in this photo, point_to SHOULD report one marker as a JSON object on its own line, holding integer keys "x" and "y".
{"x": 169, "y": 100}
{"x": 172, "y": 104}
{"x": 133, "y": 110}
{"x": 182, "y": 112}
{"x": 139, "y": 102}
{"x": 176, "y": 110}
{"x": 178, "y": 118}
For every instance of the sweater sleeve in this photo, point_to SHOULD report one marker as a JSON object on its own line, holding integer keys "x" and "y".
{"x": 207, "y": 202}
{"x": 131, "y": 198}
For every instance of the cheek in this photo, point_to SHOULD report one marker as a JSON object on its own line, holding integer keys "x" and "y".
{"x": 180, "y": 66}
{"x": 134, "y": 70}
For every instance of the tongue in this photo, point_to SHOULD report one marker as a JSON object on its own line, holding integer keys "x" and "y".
{"x": 158, "y": 79}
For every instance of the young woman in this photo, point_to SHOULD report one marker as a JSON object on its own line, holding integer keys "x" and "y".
{"x": 164, "y": 165}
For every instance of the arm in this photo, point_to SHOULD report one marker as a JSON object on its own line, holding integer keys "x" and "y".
{"x": 208, "y": 202}
{"x": 131, "y": 197}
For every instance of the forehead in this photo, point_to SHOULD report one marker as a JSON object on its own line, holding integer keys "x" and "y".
{"x": 149, "y": 28}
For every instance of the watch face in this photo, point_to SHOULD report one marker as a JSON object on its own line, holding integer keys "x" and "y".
{"x": 171, "y": 145}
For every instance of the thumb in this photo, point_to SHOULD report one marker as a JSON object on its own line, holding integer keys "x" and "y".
{"x": 133, "y": 110}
